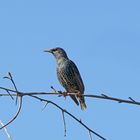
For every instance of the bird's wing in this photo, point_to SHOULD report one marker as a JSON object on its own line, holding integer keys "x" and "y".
{"x": 70, "y": 78}
{"x": 77, "y": 76}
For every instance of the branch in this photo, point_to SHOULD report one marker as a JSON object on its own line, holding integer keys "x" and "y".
{"x": 102, "y": 96}
{"x": 6, "y": 131}
{"x": 19, "y": 109}
{"x": 64, "y": 121}
{"x": 68, "y": 113}
{"x": 17, "y": 94}
{"x": 9, "y": 77}
{"x": 130, "y": 101}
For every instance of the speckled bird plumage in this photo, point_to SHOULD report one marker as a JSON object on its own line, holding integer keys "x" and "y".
{"x": 68, "y": 75}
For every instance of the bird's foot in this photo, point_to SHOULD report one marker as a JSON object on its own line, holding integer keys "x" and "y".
{"x": 78, "y": 94}
{"x": 64, "y": 93}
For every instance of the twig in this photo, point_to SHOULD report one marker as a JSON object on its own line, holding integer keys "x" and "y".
{"x": 132, "y": 99}
{"x": 11, "y": 79}
{"x": 6, "y": 131}
{"x": 113, "y": 99}
{"x": 17, "y": 95}
{"x": 72, "y": 116}
{"x": 45, "y": 106}
{"x": 104, "y": 95}
{"x": 11, "y": 90}
{"x": 19, "y": 109}
{"x": 64, "y": 121}
{"x": 90, "y": 136}
{"x": 10, "y": 94}
{"x": 53, "y": 89}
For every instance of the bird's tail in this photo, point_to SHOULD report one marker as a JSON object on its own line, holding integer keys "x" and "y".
{"x": 74, "y": 99}
{"x": 82, "y": 103}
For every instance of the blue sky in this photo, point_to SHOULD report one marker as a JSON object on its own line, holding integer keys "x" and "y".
{"x": 101, "y": 37}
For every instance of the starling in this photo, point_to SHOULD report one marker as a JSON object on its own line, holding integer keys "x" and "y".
{"x": 68, "y": 75}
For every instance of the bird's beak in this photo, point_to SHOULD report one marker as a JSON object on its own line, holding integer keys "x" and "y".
{"x": 50, "y": 51}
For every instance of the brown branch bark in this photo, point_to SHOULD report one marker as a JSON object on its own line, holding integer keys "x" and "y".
{"x": 130, "y": 100}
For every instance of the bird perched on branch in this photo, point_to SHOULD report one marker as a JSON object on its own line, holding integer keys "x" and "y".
{"x": 69, "y": 76}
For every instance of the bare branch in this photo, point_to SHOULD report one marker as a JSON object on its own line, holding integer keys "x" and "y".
{"x": 13, "y": 82}
{"x": 68, "y": 113}
{"x": 45, "y": 106}
{"x": 7, "y": 89}
{"x": 11, "y": 78}
{"x": 103, "y": 96}
{"x": 53, "y": 89}
{"x": 64, "y": 121}
{"x": 19, "y": 109}
{"x": 17, "y": 95}
{"x": 113, "y": 99}
{"x": 10, "y": 94}
{"x": 34, "y": 95}
{"x": 6, "y": 131}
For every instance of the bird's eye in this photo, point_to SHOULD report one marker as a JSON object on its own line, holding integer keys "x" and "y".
{"x": 54, "y": 50}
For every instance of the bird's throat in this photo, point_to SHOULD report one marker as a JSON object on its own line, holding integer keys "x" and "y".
{"x": 61, "y": 60}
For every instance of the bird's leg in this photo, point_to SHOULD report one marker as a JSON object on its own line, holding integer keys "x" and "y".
{"x": 78, "y": 94}
{"x": 64, "y": 93}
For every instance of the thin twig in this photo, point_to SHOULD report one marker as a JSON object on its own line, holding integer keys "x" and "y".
{"x": 11, "y": 78}
{"x": 11, "y": 90}
{"x": 104, "y": 95}
{"x": 113, "y": 99}
{"x": 19, "y": 109}
{"x": 10, "y": 94}
{"x": 132, "y": 99}
{"x": 13, "y": 82}
{"x": 53, "y": 89}
{"x": 45, "y": 106}
{"x": 90, "y": 136}
{"x": 64, "y": 121}
{"x": 6, "y": 131}
{"x": 17, "y": 95}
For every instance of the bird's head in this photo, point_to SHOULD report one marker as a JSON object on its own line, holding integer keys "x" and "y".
{"x": 57, "y": 52}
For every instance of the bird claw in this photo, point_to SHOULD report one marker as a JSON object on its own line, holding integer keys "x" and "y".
{"x": 78, "y": 94}
{"x": 64, "y": 93}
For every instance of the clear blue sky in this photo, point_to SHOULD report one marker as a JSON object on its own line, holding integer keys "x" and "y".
{"x": 101, "y": 37}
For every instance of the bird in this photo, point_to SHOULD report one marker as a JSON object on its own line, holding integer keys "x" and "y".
{"x": 69, "y": 76}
